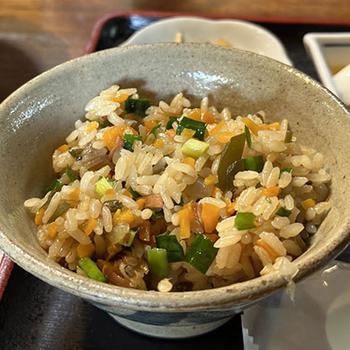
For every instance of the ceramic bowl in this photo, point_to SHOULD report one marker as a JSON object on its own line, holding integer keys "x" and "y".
{"x": 35, "y": 119}
{"x": 239, "y": 34}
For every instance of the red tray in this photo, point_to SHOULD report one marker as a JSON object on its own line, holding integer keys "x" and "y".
{"x": 6, "y": 266}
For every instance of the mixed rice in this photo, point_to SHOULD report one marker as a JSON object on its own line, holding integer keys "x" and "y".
{"x": 176, "y": 198}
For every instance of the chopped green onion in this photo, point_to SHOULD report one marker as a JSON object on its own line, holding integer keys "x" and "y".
{"x": 289, "y": 136}
{"x": 197, "y": 126}
{"x": 254, "y": 163}
{"x": 129, "y": 140}
{"x": 71, "y": 174}
{"x": 137, "y": 105}
{"x": 287, "y": 170}
{"x": 248, "y": 136}
{"x": 104, "y": 124}
{"x": 75, "y": 153}
{"x": 102, "y": 185}
{"x": 283, "y": 212}
{"x": 134, "y": 194}
{"x": 55, "y": 186}
{"x": 170, "y": 122}
{"x": 230, "y": 162}
{"x": 194, "y": 148}
{"x": 154, "y": 130}
{"x": 113, "y": 205}
{"x": 172, "y": 246}
{"x": 244, "y": 221}
{"x": 158, "y": 261}
{"x": 129, "y": 238}
{"x": 61, "y": 209}
{"x": 201, "y": 253}
{"x": 91, "y": 269}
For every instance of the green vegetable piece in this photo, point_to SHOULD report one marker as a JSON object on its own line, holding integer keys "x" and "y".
{"x": 158, "y": 262}
{"x": 194, "y": 148}
{"x": 283, "y": 212}
{"x": 128, "y": 238}
{"x": 288, "y": 137}
{"x": 134, "y": 194}
{"x": 61, "y": 209}
{"x": 201, "y": 253}
{"x": 172, "y": 246}
{"x": 197, "y": 126}
{"x": 129, "y": 140}
{"x": 254, "y": 163}
{"x": 170, "y": 122}
{"x": 104, "y": 124}
{"x": 55, "y": 186}
{"x": 244, "y": 221}
{"x": 137, "y": 106}
{"x": 91, "y": 269}
{"x": 102, "y": 185}
{"x": 71, "y": 174}
{"x": 288, "y": 170}
{"x": 113, "y": 205}
{"x": 75, "y": 153}
{"x": 230, "y": 162}
{"x": 154, "y": 130}
{"x": 248, "y": 136}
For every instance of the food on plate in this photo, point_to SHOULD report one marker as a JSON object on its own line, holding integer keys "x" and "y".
{"x": 174, "y": 197}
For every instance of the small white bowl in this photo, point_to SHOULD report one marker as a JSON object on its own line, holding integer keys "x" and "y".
{"x": 330, "y": 52}
{"x": 239, "y": 34}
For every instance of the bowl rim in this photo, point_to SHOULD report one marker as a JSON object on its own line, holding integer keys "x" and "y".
{"x": 210, "y": 299}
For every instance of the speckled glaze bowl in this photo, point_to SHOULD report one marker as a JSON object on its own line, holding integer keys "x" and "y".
{"x": 35, "y": 119}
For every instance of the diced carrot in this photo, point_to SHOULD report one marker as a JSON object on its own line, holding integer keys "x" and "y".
{"x": 195, "y": 114}
{"x": 127, "y": 193}
{"x": 111, "y": 135}
{"x": 218, "y": 128}
{"x": 211, "y": 180}
{"x": 273, "y": 255}
{"x": 224, "y": 137}
{"x": 149, "y": 124}
{"x": 52, "y": 230}
{"x": 38, "y": 220}
{"x": 210, "y": 216}
{"x": 121, "y": 98}
{"x": 123, "y": 216}
{"x": 171, "y": 133}
{"x": 308, "y": 203}
{"x": 208, "y": 117}
{"x": 158, "y": 143}
{"x": 89, "y": 226}
{"x": 141, "y": 203}
{"x": 74, "y": 194}
{"x": 271, "y": 191}
{"x": 189, "y": 161}
{"x": 84, "y": 250}
{"x": 186, "y": 216}
{"x": 215, "y": 191}
{"x": 230, "y": 208}
{"x": 63, "y": 148}
{"x": 110, "y": 192}
{"x": 188, "y": 132}
{"x": 255, "y": 128}
{"x": 92, "y": 126}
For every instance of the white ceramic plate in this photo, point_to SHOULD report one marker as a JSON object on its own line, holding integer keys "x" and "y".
{"x": 239, "y": 34}
{"x": 329, "y": 52}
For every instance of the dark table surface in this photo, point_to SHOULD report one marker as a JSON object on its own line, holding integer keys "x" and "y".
{"x": 34, "y": 315}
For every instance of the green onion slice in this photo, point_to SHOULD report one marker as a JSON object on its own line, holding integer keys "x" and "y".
{"x": 244, "y": 221}
{"x": 254, "y": 163}
{"x": 158, "y": 261}
{"x": 172, "y": 246}
{"x": 91, "y": 269}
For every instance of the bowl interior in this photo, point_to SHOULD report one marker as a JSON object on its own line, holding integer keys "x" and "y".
{"x": 37, "y": 118}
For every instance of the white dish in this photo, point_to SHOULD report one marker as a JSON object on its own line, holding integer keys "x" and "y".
{"x": 329, "y": 52}
{"x": 240, "y": 34}
{"x": 318, "y": 318}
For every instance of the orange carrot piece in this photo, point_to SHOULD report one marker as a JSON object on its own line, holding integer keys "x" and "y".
{"x": 90, "y": 225}
{"x": 271, "y": 191}
{"x": 189, "y": 161}
{"x": 208, "y": 117}
{"x": 110, "y": 136}
{"x": 52, "y": 230}
{"x": 210, "y": 216}
{"x": 63, "y": 148}
{"x": 84, "y": 250}
{"x": 38, "y": 220}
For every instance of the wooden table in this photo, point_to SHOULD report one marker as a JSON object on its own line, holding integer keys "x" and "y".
{"x": 38, "y": 34}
